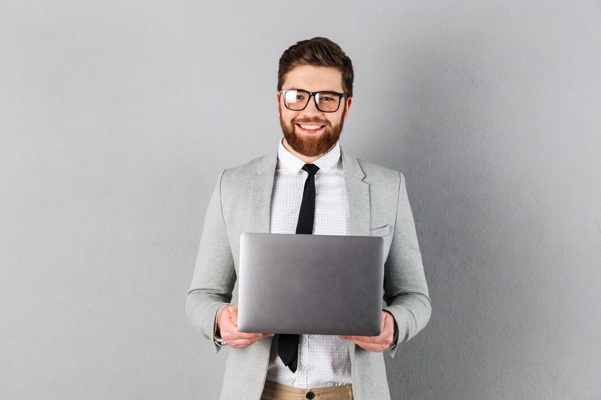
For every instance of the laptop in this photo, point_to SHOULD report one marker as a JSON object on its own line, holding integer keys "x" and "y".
{"x": 310, "y": 284}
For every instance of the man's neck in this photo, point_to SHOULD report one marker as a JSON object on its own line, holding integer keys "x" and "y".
{"x": 306, "y": 159}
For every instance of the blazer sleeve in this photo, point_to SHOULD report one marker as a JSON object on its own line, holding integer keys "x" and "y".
{"x": 214, "y": 274}
{"x": 405, "y": 289}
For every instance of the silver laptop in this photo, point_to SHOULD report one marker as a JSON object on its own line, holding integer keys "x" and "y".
{"x": 310, "y": 284}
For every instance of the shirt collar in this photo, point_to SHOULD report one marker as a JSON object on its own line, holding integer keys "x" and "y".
{"x": 295, "y": 164}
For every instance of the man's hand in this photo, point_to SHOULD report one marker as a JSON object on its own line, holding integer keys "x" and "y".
{"x": 377, "y": 343}
{"x": 227, "y": 325}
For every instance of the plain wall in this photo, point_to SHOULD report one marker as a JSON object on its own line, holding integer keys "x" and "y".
{"x": 117, "y": 116}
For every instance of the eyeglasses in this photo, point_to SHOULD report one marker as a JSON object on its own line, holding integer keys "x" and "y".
{"x": 297, "y": 100}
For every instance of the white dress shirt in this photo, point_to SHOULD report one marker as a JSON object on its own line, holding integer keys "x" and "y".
{"x": 323, "y": 360}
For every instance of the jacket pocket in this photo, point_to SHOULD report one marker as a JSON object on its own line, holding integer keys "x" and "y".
{"x": 382, "y": 231}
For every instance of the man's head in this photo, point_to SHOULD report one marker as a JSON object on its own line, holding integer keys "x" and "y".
{"x": 315, "y": 84}
{"x": 318, "y": 52}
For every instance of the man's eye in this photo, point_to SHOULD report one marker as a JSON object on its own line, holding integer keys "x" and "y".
{"x": 293, "y": 96}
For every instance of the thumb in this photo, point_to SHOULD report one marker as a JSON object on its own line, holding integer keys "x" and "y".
{"x": 234, "y": 315}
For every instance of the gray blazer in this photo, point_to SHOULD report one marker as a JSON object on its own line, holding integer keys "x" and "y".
{"x": 378, "y": 206}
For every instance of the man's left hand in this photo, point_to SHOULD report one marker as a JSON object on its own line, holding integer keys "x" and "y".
{"x": 378, "y": 343}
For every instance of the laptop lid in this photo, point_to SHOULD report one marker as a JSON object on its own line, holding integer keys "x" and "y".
{"x": 310, "y": 284}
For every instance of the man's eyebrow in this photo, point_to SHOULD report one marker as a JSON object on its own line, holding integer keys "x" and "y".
{"x": 317, "y": 91}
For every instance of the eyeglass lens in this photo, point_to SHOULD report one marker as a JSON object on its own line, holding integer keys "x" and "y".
{"x": 297, "y": 100}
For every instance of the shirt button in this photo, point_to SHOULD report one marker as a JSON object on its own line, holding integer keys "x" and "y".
{"x": 310, "y": 395}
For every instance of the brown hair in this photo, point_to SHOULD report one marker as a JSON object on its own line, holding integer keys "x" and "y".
{"x": 320, "y": 52}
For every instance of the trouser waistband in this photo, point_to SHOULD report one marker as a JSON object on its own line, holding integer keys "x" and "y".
{"x": 277, "y": 391}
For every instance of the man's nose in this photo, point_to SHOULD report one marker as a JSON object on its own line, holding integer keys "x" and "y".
{"x": 311, "y": 108}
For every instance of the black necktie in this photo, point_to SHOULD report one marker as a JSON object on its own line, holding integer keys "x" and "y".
{"x": 288, "y": 344}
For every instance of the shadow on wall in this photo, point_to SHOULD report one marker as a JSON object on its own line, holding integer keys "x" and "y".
{"x": 479, "y": 158}
{"x": 446, "y": 156}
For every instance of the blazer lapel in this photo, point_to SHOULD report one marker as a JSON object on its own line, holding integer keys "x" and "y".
{"x": 358, "y": 196}
{"x": 357, "y": 193}
{"x": 261, "y": 189}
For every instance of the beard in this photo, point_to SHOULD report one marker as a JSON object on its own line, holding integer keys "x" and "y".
{"x": 312, "y": 146}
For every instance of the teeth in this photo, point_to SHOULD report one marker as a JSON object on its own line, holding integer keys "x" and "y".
{"x": 311, "y": 127}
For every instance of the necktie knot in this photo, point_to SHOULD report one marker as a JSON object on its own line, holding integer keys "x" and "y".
{"x": 311, "y": 169}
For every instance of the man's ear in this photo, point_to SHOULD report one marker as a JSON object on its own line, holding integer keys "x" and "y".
{"x": 277, "y": 97}
{"x": 349, "y": 101}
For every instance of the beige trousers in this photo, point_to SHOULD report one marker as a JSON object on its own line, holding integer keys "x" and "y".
{"x": 276, "y": 391}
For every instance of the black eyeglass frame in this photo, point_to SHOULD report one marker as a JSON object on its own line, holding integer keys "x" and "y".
{"x": 313, "y": 94}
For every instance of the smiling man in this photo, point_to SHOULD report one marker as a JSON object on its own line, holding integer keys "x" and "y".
{"x": 348, "y": 196}
{"x": 312, "y": 130}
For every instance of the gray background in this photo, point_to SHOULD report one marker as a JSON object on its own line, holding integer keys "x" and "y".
{"x": 117, "y": 116}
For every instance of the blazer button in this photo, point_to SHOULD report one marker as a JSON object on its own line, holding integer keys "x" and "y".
{"x": 310, "y": 395}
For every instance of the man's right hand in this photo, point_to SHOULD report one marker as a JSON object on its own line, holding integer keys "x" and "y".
{"x": 227, "y": 325}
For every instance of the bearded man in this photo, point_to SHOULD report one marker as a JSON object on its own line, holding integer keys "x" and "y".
{"x": 352, "y": 197}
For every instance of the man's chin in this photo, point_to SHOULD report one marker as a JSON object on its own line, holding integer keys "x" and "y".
{"x": 312, "y": 146}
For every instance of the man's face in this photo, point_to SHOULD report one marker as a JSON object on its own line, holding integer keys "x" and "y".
{"x": 311, "y": 132}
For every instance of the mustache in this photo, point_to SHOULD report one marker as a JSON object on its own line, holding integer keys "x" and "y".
{"x": 310, "y": 120}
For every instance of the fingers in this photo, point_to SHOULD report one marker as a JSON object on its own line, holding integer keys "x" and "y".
{"x": 370, "y": 343}
{"x": 228, "y": 328}
{"x": 376, "y": 343}
{"x": 239, "y": 342}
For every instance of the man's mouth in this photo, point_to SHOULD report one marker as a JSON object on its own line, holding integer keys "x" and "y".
{"x": 310, "y": 128}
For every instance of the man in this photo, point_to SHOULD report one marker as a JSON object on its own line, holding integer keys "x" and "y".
{"x": 353, "y": 197}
